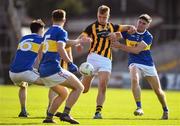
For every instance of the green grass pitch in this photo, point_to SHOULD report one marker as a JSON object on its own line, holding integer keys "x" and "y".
{"x": 118, "y": 108}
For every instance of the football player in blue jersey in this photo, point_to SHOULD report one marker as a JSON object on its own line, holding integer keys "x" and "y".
{"x": 53, "y": 75}
{"x": 21, "y": 69}
{"x": 64, "y": 65}
{"x": 140, "y": 62}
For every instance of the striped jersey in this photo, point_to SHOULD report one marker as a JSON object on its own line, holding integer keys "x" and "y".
{"x": 50, "y": 63}
{"x": 26, "y": 53}
{"x": 144, "y": 57}
{"x": 101, "y": 43}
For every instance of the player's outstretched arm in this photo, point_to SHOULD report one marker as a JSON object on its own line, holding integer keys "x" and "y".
{"x": 136, "y": 49}
{"x": 79, "y": 41}
{"x": 131, "y": 29}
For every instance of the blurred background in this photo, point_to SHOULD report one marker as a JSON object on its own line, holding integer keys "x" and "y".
{"x": 15, "y": 16}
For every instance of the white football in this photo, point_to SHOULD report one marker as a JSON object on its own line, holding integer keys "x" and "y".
{"x": 86, "y": 69}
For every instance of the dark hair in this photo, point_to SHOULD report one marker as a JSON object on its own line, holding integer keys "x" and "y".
{"x": 58, "y": 15}
{"x": 145, "y": 17}
{"x": 36, "y": 25}
{"x": 103, "y": 9}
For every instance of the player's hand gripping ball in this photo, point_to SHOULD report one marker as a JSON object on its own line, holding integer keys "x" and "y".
{"x": 86, "y": 69}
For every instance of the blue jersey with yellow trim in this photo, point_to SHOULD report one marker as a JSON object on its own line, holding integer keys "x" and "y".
{"x": 26, "y": 53}
{"x": 144, "y": 57}
{"x": 50, "y": 63}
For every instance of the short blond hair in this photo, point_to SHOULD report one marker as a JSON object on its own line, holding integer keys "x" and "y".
{"x": 103, "y": 9}
{"x": 146, "y": 17}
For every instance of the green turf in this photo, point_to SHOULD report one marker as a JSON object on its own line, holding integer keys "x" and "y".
{"x": 117, "y": 110}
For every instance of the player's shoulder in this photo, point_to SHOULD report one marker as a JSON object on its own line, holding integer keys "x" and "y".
{"x": 37, "y": 38}
{"x": 59, "y": 29}
{"x": 33, "y": 38}
{"x": 55, "y": 29}
{"x": 148, "y": 34}
{"x": 111, "y": 23}
{"x": 116, "y": 27}
{"x": 26, "y": 37}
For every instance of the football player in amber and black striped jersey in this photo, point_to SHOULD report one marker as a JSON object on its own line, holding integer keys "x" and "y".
{"x": 100, "y": 53}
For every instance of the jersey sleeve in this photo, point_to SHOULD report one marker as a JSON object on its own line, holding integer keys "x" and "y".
{"x": 124, "y": 34}
{"x": 88, "y": 30}
{"x": 117, "y": 28}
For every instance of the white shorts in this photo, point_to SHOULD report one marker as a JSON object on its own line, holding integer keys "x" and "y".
{"x": 99, "y": 62}
{"x": 56, "y": 78}
{"x": 26, "y": 76}
{"x": 145, "y": 70}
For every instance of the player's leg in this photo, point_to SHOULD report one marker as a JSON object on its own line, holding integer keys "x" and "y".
{"x": 22, "y": 79}
{"x": 136, "y": 89}
{"x": 62, "y": 94}
{"x": 22, "y": 99}
{"x": 51, "y": 96}
{"x": 102, "y": 67}
{"x": 86, "y": 81}
{"x": 103, "y": 81}
{"x": 27, "y": 77}
{"x": 17, "y": 80}
{"x": 67, "y": 79}
{"x": 75, "y": 84}
{"x": 156, "y": 86}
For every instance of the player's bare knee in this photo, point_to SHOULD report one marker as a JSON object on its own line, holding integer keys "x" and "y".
{"x": 79, "y": 87}
{"x": 64, "y": 94}
{"x": 22, "y": 85}
{"x": 134, "y": 81}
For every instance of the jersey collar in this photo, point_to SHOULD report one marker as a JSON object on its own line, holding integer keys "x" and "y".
{"x": 57, "y": 26}
{"x": 141, "y": 32}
